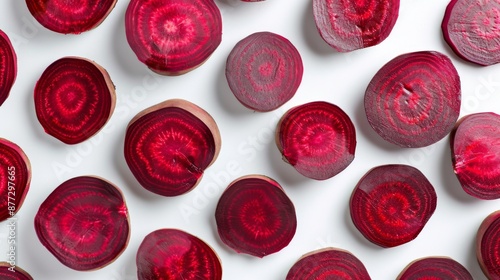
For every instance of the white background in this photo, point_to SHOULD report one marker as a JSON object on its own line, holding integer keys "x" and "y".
{"x": 248, "y": 146}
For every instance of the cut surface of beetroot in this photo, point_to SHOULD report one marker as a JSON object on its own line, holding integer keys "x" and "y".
{"x": 471, "y": 29}
{"x": 475, "y": 150}
{"x": 351, "y": 25}
{"x": 173, "y": 37}
{"x": 328, "y": 263}
{"x": 168, "y": 146}
{"x": 70, "y": 17}
{"x": 254, "y": 216}
{"x": 8, "y": 66}
{"x": 175, "y": 254}
{"x": 487, "y": 250}
{"x": 84, "y": 223}
{"x": 391, "y": 204}
{"x": 16, "y": 273}
{"x": 435, "y": 268}
{"x": 414, "y": 100}
{"x": 74, "y": 98}
{"x": 318, "y": 139}
{"x": 264, "y": 70}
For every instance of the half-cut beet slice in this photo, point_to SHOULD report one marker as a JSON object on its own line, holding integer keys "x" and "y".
{"x": 414, "y": 100}
{"x": 487, "y": 250}
{"x": 8, "y": 66}
{"x": 318, "y": 139}
{"x": 475, "y": 151}
{"x": 168, "y": 146}
{"x": 351, "y": 25}
{"x": 173, "y": 37}
{"x": 175, "y": 254}
{"x": 8, "y": 272}
{"x": 264, "y": 70}
{"x": 74, "y": 98}
{"x": 15, "y": 178}
{"x": 84, "y": 223}
{"x": 436, "y": 268}
{"x": 67, "y": 17}
{"x": 391, "y": 204}
{"x": 254, "y": 216}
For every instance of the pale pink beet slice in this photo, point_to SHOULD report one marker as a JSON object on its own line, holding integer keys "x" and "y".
{"x": 8, "y": 66}
{"x": 175, "y": 254}
{"x": 84, "y": 223}
{"x": 471, "y": 29}
{"x": 487, "y": 250}
{"x": 435, "y": 268}
{"x": 168, "y": 146}
{"x": 414, "y": 100}
{"x": 348, "y": 25}
{"x": 70, "y": 17}
{"x": 264, "y": 70}
{"x": 328, "y": 263}
{"x": 318, "y": 139}
{"x": 475, "y": 151}
{"x": 391, "y": 204}
{"x": 74, "y": 98}
{"x": 173, "y": 37}
{"x": 7, "y": 272}
{"x": 254, "y": 216}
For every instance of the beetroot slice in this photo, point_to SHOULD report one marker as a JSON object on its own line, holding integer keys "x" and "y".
{"x": 475, "y": 149}
{"x": 414, "y": 99}
{"x": 391, "y": 204}
{"x": 487, "y": 250}
{"x": 84, "y": 223}
{"x": 328, "y": 263}
{"x": 254, "y": 216}
{"x": 264, "y": 70}
{"x": 67, "y": 17}
{"x": 175, "y": 254}
{"x": 436, "y": 268}
{"x": 8, "y": 66}
{"x": 318, "y": 139}
{"x": 351, "y": 25}
{"x": 173, "y": 37}
{"x": 6, "y": 272}
{"x": 74, "y": 98}
{"x": 15, "y": 178}
{"x": 168, "y": 146}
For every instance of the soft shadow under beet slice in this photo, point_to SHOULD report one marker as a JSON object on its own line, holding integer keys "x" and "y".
{"x": 8, "y": 66}
{"x": 436, "y": 268}
{"x": 487, "y": 249}
{"x": 6, "y": 272}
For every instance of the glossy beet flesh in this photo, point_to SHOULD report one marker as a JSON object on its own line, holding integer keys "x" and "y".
{"x": 84, "y": 223}
{"x": 6, "y": 272}
{"x": 66, "y": 17}
{"x": 329, "y": 263}
{"x": 254, "y": 216}
{"x": 264, "y": 70}
{"x": 169, "y": 146}
{"x": 391, "y": 204}
{"x": 475, "y": 149}
{"x": 74, "y": 98}
{"x": 436, "y": 268}
{"x": 414, "y": 99}
{"x": 348, "y": 25}
{"x": 8, "y": 66}
{"x": 175, "y": 254}
{"x": 318, "y": 139}
{"x": 173, "y": 37}
{"x": 487, "y": 250}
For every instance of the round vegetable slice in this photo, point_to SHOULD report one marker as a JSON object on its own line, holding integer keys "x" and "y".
{"x": 67, "y": 17}
{"x": 74, "y": 98}
{"x": 168, "y": 146}
{"x": 318, "y": 139}
{"x": 487, "y": 250}
{"x": 173, "y": 37}
{"x": 9, "y": 272}
{"x": 84, "y": 223}
{"x": 264, "y": 70}
{"x": 436, "y": 268}
{"x": 175, "y": 254}
{"x": 475, "y": 149}
{"x": 254, "y": 216}
{"x": 414, "y": 100}
{"x": 8, "y": 66}
{"x": 391, "y": 204}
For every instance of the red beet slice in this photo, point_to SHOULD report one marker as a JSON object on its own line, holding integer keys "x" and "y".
{"x": 74, "y": 98}
{"x": 487, "y": 250}
{"x": 436, "y": 268}
{"x": 414, "y": 99}
{"x": 318, "y": 139}
{"x": 475, "y": 146}
{"x": 328, "y": 263}
{"x": 173, "y": 37}
{"x": 175, "y": 254}
{"x": 351, "y": 25}
{"x": 84, "y": 223}
{"x": 67, "y": 17}
{"x": 391, "y": 204}
{"x": 7, "y": 272}
{"x": 254, "y": 216}
{"x": 168, "y": 146}
{"x": 264, "y": 70}
{"x": 8, "y": 66}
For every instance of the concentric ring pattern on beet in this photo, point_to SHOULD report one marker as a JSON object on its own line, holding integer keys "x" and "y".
{"x": 8, "y": 66}
{"x": 487, "y": 250}
{"x": 439, "y": 268}
{"x": 8, "y": 272}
